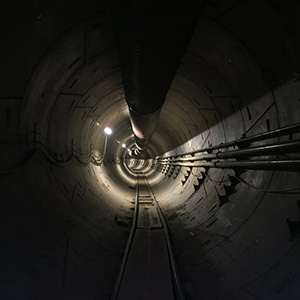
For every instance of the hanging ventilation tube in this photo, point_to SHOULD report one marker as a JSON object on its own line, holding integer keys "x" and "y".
{"x": 152, "y": 37}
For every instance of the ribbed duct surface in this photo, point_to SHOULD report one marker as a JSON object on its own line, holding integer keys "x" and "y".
{"x": 152, "y": 38}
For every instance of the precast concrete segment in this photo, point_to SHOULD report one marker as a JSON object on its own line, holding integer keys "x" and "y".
{"x": 65, "y": 226}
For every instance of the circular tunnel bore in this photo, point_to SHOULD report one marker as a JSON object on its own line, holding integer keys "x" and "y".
{"x": 67, "y": 202}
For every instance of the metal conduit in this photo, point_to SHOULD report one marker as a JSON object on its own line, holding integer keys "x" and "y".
{"x": 292, "y": 147}
{"x": 244, "y": 141}
{"x": 286, "y": 165}
{"x": 263, "y": 164}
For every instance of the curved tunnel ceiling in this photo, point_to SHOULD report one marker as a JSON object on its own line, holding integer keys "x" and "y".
{"x": 66, "y": 220}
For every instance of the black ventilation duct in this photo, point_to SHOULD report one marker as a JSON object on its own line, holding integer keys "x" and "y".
{"x": 152, "y": 38}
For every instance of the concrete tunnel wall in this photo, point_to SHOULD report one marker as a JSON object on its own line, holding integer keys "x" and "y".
{"x": 65, "y": 225}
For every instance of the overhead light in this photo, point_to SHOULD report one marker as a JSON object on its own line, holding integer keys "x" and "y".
{"x": 107, "y": 130}
{"x": 97, "y": 124}
{"x": 123, "y": 145}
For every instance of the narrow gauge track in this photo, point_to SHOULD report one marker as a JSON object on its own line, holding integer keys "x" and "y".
{"x": 148, "y": 270}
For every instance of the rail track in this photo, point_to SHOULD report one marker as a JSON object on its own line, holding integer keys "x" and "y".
{"x": 148, "y": 270}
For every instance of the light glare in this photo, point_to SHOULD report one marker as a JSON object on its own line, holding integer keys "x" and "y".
{"x": 107, "y": 130}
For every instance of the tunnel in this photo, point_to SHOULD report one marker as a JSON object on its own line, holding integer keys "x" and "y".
{"x": 68, "y": 188}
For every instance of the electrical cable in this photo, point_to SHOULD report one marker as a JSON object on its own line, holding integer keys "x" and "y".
{"x": 286, "y": 191}
{"x": 91, "y": 159}
{"x": 216, "y": 181}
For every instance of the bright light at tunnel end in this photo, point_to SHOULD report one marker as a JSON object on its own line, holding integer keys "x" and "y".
{"x": 107, "y": 130}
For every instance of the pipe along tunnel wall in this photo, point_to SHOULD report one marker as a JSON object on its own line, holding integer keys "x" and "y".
{"x": 65, "y": 220}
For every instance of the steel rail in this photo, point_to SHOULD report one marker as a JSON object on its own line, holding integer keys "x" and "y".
{"x": 169, "y": 244}
{"x": 128, "y": 245}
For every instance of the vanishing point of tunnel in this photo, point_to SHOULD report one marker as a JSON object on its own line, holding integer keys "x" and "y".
{"x": 203, "y": 104}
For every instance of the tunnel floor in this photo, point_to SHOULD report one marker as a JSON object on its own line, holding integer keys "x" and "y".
{"x": 146, "y": 271}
